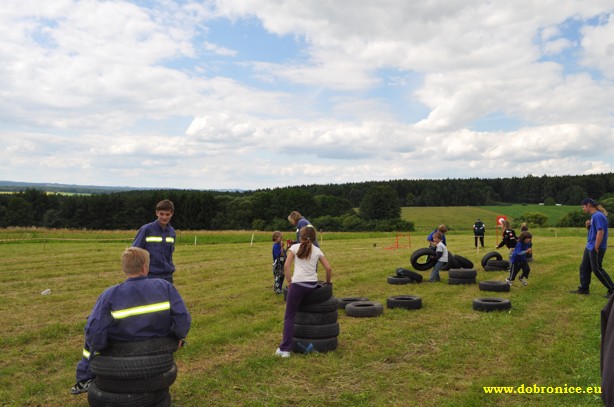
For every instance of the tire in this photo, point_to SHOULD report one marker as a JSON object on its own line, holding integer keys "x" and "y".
{"x": 499, "y": 286}
{"x": 404, "y": 301}
{"x": 492, "y": 268}
{"x": 364, "y": 309}
{"x": 459, "y": 281}
{"x": 143, "y": 385}
{"x": 463, "y": 262}
{"x": 317, "y": 331}
{"x": 131, "y": 367}
{"x": 491, "y": 304}
{"x": 399, "y": 280}
{"x": 345, "y": 301}
{"x": 100, "y": 398}
{"x": 422, "y": 264}
{"x": 312, "y": 318}
{"x": 409, "y": 273}
{"x": 153, "y": 346}
{"x": 302, "y": 345}
{"x": 322, "y": 293}
{"x": 503, "y": 264}
{"x": 327, "y": 306}
{"x": 491, "y": 255}
{"x": 462, "y": 273}
{"x": 452, "y": 263}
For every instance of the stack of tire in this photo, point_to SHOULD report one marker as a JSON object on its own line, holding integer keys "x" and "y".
{"x": 423, "y": 259}
{"x": 134, "y": 374}
{"x": 462, "y": 276}
{"x": 316, "y": 328}
{"x": 493, "y": 261}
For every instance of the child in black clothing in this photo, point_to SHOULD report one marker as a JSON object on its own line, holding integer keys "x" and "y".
{"x": 518, "y": 260}
{"x": 279, "y": 260}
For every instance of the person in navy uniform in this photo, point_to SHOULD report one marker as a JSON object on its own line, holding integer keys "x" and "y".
{"x": 138, "y": 309}
{"x": 158, "y": 238}
{"x": 478, "y": 232}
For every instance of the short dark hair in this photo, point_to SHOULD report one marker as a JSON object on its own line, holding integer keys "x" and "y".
{"x": 165, "y": 205}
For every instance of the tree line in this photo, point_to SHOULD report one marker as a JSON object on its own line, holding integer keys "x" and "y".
{"x": 331, "y": 207}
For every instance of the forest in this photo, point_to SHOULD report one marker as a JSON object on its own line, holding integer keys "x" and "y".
{"x": 334, "y": 207}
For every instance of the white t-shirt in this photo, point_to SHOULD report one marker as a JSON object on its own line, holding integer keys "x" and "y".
{"x": 442, "y": 248}
{"x": 305, "y": 270}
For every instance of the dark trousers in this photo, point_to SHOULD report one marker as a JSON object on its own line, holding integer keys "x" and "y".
{"x": 481, "y": 240}
{"x": 592, "y": 263}
{"x": 296, "y": 293}
{"x": 516, "y": 267}
{"x": 278, "y": 278}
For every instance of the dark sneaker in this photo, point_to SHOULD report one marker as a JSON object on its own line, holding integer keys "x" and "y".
{"x": 584, "y": 292}
{"x": 81, "y": 387}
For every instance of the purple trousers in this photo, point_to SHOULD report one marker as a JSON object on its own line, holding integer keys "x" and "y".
{"x": 296, "y": 293}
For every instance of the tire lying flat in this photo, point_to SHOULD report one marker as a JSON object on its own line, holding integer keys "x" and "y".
{"x": 494, "y": 285}
{"x": 491, "y": 304}
{"x": 404, "y": 301}
{"x": 364, "y": 309}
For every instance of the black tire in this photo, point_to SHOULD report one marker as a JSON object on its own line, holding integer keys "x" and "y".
{"x": 452, "y": 263}
{"x": 459, "y": 281}
{"x": 411, "y": 274}
{"x": 131, "y": 367}
{"x": 462, "y": 273}
{"x": 345, "y": 301}
{"x": 495, "y": 285}
{"x": 404, "y": 301}
{"x": 317, "y": 331}
{"x": 489, "y": 256}
{"x": 399, "y": 280}
{"x": 492, "y": 268}
{"x": 143, "y": 385}
{"x": 100, "y": 398}
{"x": 463, "y": 262}
{"x": 491, "y": 304}
{"x": 327, "y": 306}
{"x": 322, "y": 293}
{"x": 304, "y": 345}
{"x": 423, "y": 259}
{"x": 364, "y": 309}
{"x": 502, "y": 264}
{"x": 313, "y": 318}
{"x": 153, "y": 346}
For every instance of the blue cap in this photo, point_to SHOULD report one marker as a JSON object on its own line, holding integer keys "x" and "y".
{"x": 589, "y": 201}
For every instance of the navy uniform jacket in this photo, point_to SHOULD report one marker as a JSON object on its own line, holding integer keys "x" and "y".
{"x": 138, "y": 309}
{"x": 160, "y": 243}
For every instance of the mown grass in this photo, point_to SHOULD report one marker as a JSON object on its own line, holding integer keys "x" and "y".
{"x": 441, "y": 355}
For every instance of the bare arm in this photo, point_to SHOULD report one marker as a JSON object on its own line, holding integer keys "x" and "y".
{"x": 327, "y": 267}
{"x": 289, "y": 261}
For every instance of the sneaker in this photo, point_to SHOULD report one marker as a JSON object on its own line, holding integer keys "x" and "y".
{"x": 282, "y": 353}
{"x": 80, "y": 387}
{"x": 584, "y": 292}
{"x": 507, "y": 280}
{"x": 523, "y": 281}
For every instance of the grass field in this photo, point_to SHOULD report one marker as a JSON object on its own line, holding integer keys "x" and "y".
{"x": 441, "y": 355}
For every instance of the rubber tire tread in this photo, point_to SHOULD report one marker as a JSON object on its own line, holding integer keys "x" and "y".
{"x": 494, "y": 285}
{"x": 151, "y": 384}
{"x": 319, "y": 345}
{"x": 346, "y": 300}
{"x": 489, "y": 256}
{"x": 491, "y": 304}
{"x": 462, "y": 273}
{"x": 463, "y": 262}
{"x": 399, "y": 280}
{"x": 322, "y": 293}
{"x": 317, "y": 331}
{"x": 327, "y": 306}
{"x": 316, "y": 318}
{"x": 492, "y": 268}
{"x": 131, "y": 367}
{"x": 425, "y": 265}
{"x": 153, "y": 346}
{"x": 459, "y": 281}
{"x": 452, "y": 263}
{"x": 404, "y": 301}
{"x": 364, "y": 309}
{"x": 100, "y": 398}
{"x": 504, "y": 264}
{"x": 411, "y": 274}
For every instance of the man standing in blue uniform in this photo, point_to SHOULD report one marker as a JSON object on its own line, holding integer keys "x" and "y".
{"x": 158, "y": 238}
{"x": 138, "y": 309}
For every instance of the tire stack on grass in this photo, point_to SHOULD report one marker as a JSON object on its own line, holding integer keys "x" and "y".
{"x": 134, "y": 374}
{"x": 462, "y": 276}
{"x": 316, "y": 328}
{"x": 493, "y": 261}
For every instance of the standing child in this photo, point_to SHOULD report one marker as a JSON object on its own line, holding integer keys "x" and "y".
{"x": 302, "y": 282}
{"x": 441, "y": 253}
{"x": 441, "y": 229}
{"x": 518, "y": 260}
{"x": 509, "y": 236}
{"x": 279, "y": 259}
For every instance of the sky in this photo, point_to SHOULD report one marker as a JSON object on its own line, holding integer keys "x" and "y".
{"x": 253, "y": 94}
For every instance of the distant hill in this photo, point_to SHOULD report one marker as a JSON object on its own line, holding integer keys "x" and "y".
{"x": 12, "y": 186}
